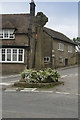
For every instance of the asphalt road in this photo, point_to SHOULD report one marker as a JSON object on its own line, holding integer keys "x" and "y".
{"x": 39, "y": 105}
{"x": 10, "y": 79}
{"x": 71, "y": 81}
{"x": 44, "y": 104}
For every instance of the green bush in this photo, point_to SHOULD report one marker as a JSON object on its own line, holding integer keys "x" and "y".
{"x": 23, "y": 75}
{"x": 42, "y": 76}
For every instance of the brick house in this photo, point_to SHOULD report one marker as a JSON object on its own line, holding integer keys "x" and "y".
{"x": 22, "y": 46}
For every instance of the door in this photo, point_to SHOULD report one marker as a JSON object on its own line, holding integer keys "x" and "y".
{"x": 66, "y": 62}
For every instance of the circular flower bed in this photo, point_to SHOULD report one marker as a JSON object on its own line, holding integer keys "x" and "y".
{"x": 38, "y": 79}
{"x": 42, "y": 76}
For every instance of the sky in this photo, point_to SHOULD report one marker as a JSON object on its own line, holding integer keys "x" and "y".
{"x": 62, "y": 16}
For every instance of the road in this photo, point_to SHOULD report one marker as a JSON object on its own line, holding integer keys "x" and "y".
{"x": 10, "y": 78}
{"x": 43, "y": 104}
{"x": 39, "y": 105}
{"x": 70, "y": 78}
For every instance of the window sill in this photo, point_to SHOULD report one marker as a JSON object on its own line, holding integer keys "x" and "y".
{"x": 12, "y": 62}
{"x": 61, "y": 50}
{"x": 7, "y": 39}
{"x": 69, "y": 52}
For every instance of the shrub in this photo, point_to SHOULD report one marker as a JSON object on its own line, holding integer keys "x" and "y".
{"x": 23, "y": 75}
{"x": 42, "y": 76}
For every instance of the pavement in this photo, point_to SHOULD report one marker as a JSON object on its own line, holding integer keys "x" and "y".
{"x": 57, "y": 102}
{"x": 68, "y": 67}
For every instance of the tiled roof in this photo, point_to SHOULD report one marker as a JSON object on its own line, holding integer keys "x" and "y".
{"x": 58, "y": 35}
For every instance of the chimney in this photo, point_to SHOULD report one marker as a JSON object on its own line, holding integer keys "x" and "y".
{"x": 32, "y": 8}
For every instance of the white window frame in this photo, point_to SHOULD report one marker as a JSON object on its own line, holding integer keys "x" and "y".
{"x": 60, "y": 46}
{"x": 3, "y": 53}
{"x": 0, "y": 55}
{"x": 15, "y": 54}
{"x": 9, "y": 31}
{"x": 70, "y": 49}
{"x": 11, "y": 56}
{"x": 8, "y": 54}
{"x": 61, "y": 59}
{"x": 1, "y": 34}
{"x": 12, "y": 34}
{"x": 46, "y": 61}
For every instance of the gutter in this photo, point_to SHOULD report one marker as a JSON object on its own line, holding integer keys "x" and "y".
{"x": 15, "y": 46}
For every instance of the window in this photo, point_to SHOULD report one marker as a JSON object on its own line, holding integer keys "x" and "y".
{"x": 7, "y": 34}
{"x": 46, "y": 59}
{"x": 8, "y": 54}
{"x": 3, "y": 55}
{"x": 0, "y": 55}
{"x": 20, "y": 55}
{"x": 60, "y": 59}
{"x": 61, "y": 46}
{"x": 14, "y": 54}
{"x": 11, "y": 32}
{"x": 11, "y": 55}
{"x": 1, "y": 34}
{"x": 69, "y": 49}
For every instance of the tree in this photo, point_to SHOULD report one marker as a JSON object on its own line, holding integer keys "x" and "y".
{"x": 77, "y": 41}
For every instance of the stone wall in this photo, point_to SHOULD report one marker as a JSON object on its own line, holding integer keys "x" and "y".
{"x": 20, "y": 39}
{"x": 64, "y": 54}
{"x": 45, "y": 45}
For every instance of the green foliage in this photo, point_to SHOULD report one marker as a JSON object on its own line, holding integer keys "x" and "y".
{"x": 77, "y": 40}
{"x": 22, "y": 75}
{"x": 42, "y": 76}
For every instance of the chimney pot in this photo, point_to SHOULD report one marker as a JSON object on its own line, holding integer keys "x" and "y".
{"x": 32, "y": 8}
{"x": 32, "y": 0}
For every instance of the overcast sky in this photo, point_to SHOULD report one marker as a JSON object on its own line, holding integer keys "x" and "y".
{"x": 62, "y": 16}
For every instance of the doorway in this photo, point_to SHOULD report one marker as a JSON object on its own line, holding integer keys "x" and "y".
{"x": 66, "y": 62}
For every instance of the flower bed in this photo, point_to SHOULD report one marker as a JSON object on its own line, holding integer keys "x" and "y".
{"x": 46, "y": 78}
{"x": 42, "y": 76}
